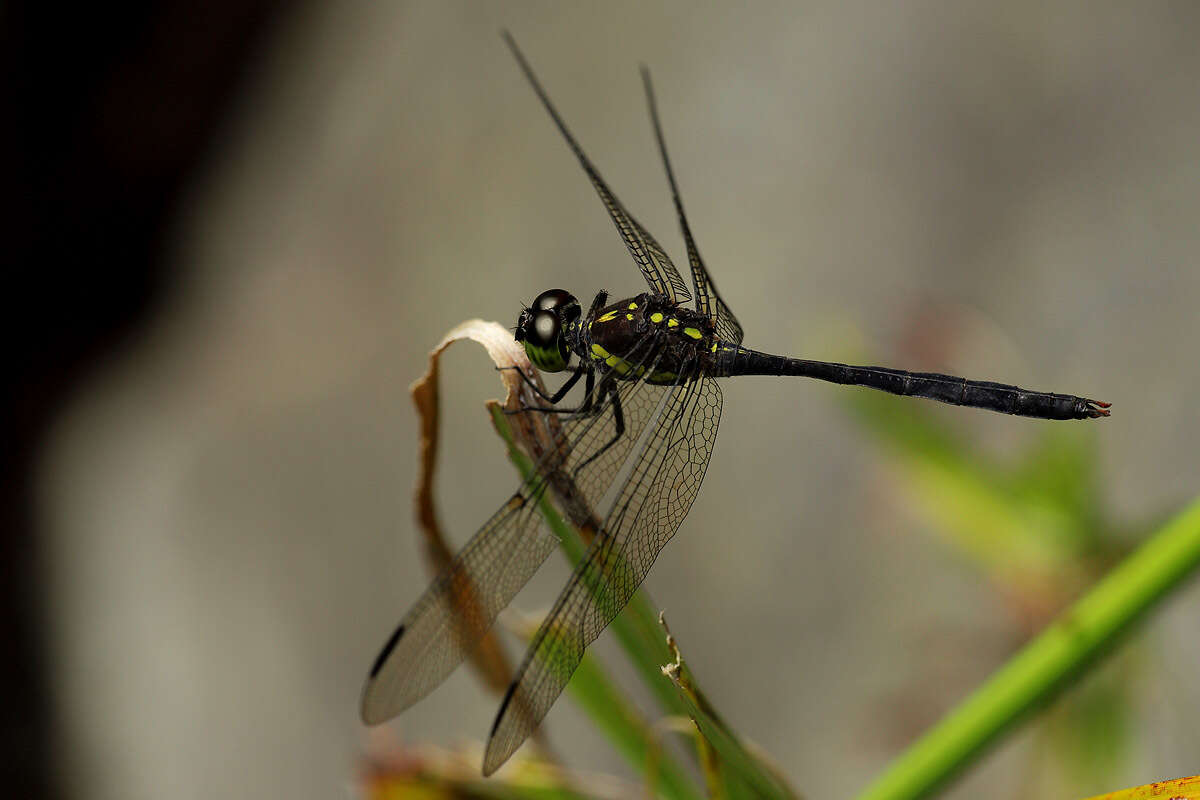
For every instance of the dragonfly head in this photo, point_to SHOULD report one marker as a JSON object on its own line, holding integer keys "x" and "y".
{"x": 541, "y": 328}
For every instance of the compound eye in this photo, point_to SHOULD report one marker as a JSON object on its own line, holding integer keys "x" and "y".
{"x": 552, "y": 299}
{"x": 544, "y": 343}
{"x": 543, "y": 329}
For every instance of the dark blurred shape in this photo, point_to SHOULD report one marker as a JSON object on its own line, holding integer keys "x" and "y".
{"x": 111, "y": 109}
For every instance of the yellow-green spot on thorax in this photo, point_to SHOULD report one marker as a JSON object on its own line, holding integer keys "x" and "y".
{"x": 656, "y": 316}
{"x": 633, "y": 306}
{"x": 672, "y": 323}
{"x": 623, "y": 367}
{"x": 619, "y": 365}
{"x": 692, "y": 332}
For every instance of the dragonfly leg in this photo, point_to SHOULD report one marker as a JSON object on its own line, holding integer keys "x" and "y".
{"x": 584, "y": 408}
{"x": 552, "y": 398}
{"x": 618, "y": 422}
{"x": 598, "y": 302}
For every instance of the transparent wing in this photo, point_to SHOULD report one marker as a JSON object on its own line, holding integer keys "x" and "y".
{"x": 647, "y": 512}
{"x": 462, "y": 603}
{"x": 708, "y": 300}
{"x": 459, "y": 606}
{"x": 653, "y": 261}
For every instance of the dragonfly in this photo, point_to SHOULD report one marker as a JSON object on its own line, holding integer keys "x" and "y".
{"x": 639, "y": 440}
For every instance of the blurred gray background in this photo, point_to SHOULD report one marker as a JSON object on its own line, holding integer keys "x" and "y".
{"x": 229, "y": 499}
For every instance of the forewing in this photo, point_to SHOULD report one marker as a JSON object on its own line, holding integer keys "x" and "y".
{"x": 651, "y": 504}
{"x": 462, "y": 603}
{"x": 708, "y": 300}
{"x": 458, "y": 607}
{"x": 653, "y": 261}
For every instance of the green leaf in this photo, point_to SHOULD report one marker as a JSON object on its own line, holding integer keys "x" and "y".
{"x": 734, "y": 770}
{"x": 1035, "y": 517}
{"x": 636, "y": 627}
{"x": 637, "y": 741}
{"x": 1048, "y": 663}
{"x": 421, "y": 776}
{"x": 589, "y": 685}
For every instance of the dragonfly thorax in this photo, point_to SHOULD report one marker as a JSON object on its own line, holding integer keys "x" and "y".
{"x": 541, "y": 328}
{"x": 650, "y": 337}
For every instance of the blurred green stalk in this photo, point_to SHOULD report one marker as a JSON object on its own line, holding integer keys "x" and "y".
{"x": 636, "y": 627}
{"x": 1048, "y": 663}
{"x": 591, "y": 688}
{"x": 634, "y": 739}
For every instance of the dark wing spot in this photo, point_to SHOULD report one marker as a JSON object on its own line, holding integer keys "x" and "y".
{"x": 387, "y": 651}
{"x": 512, "y": 687}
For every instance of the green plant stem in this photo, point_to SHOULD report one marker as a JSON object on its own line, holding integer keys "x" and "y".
{"x": 590, "y": 686}
{"x": 627, "y": 730}
{"x": 636, "y": 627}
{"x": 1048, "y": 663}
